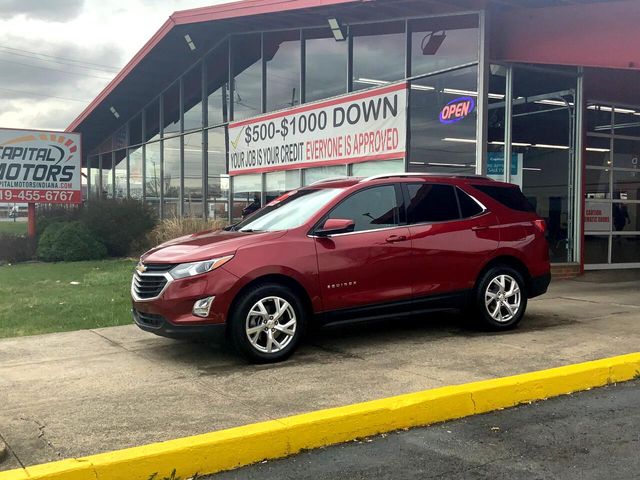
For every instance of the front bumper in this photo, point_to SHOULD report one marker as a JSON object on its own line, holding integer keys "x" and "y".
{"x": 538, "y": 285}
{"x": 153, "y": 323}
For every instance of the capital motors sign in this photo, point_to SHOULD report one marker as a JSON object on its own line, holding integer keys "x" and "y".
{"x": 40, "y": 167}
{"x": 457, "y": 109}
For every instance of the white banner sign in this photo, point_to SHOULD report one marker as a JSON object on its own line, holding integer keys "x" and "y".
{"x": 597, "y": 216}
{"x": 40, "y": 167}
{"x": 359, "y": 127}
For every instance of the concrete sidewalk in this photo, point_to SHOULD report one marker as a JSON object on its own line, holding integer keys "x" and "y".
{"x": 79, "y": 393}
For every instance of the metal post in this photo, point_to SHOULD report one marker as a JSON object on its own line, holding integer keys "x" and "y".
{"x": 508, "y": 111}
{"x": 31, "y": 220}
{"x": 128, "y": 160}
{"x": 161, "y": 132}
{"x": 204, "y": 143}
{"x": 578, "y": 197}
{"x": 113, "y": 174}
{"x": 483, "y": 90}
{"x": 181, "y": 152}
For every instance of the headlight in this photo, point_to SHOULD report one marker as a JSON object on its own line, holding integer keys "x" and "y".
{"x": 196, "y": 268}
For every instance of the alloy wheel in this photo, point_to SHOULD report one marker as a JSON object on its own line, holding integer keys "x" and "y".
{"x": 271, "y": 324}
{"x": 502, "y": 298}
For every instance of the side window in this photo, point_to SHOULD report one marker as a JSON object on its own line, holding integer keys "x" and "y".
{"x": 510, "y": 197}
{"x": 370, "y": 209}
{"x": 431, "y": 203}
{"x": 468, "y": 206}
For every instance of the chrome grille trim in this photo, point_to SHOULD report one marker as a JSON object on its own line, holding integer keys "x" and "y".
{"x": 152, "y": 283}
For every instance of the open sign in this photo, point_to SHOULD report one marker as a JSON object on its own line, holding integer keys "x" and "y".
{"x": 457, "y": 109}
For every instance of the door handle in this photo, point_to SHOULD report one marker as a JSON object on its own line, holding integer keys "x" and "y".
{"x": 479, "y": 227}
{"x": 396, "y": 238}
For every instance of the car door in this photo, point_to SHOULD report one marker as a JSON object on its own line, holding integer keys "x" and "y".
{"x": 370, "y": 265}
{"x": 451, "y": 236}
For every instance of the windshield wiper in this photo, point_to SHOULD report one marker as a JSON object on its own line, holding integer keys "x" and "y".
{"x": 249, "y": 230}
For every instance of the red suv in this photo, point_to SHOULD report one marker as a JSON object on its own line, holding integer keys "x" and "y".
{"x": 349, "y": 248}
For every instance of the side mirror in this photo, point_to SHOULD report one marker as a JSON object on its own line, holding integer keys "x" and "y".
{"x": 333, "y": 226}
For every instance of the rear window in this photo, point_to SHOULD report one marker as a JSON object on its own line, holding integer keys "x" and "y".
{"x": 510, "y": 197}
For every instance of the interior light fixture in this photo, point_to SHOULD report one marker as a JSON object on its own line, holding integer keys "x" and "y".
{"x": 532, "y": 169}
{"x": 595, "y": 149}
{"x": 455, "y": 91}
{"x": 432, "y": 41}
{"x": 454, "y": 165}
{"x": 336, "y": 30}
{"x": 115, "y": 112}
{"x": 546, "y": 145}
{"x": 422, "y": 87}
{"x": 371, "y": 81}
{"x": 189, "y": 41}
{"x": 459, "y": 140}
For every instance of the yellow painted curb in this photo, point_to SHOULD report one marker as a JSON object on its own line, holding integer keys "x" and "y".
{"x": 235, "y": 447}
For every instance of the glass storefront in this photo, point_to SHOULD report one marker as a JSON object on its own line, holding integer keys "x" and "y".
{"x": 529, "y": 137}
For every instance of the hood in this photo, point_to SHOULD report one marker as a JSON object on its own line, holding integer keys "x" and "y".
{"x": 205, "y": 246}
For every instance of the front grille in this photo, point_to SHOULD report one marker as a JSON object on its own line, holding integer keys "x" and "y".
{"x": 159, "y": 267}
{"x": 149, "y": 319}
{"x": 148, "y": 286}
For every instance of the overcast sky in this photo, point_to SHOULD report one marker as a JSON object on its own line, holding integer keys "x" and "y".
{"x": 57, "y": 55}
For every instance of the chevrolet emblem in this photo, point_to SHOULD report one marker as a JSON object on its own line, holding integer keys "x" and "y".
{"x": 141, "y": 268}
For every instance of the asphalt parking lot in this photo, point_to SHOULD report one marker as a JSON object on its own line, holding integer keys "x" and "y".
{"x": 79, "y": 393}
{"x": 587, "y": 435}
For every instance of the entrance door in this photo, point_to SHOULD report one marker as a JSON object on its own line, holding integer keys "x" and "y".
{"x": 543, "y": 146}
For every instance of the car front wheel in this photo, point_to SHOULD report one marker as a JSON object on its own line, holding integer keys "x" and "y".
{"x": 267, "y": 323}
{"x": 500, "y": 298}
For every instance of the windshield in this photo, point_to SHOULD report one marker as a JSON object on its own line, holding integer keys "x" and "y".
{"x": 288, "y": 211}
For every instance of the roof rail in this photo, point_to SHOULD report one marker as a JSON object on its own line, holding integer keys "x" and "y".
{"x": 424, "y": 174}
{"x": 331, "y": 179}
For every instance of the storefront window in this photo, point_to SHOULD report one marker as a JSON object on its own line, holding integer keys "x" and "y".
{"x": 171, "y": 173}
{"x": 281, "y": 182}
{"x": 152, "y": 121}
{"x": 107, "y": 180}
{"x": 152, "y": 174}
{"x": 246, "y": 195}
{"x": 171, "y": 111}
{"x": 312, "y": 175}
{"x": 496, "y": 164}
{"x": 218, "y": 181}
{"x": 193, "y": 174}
{"x": 217, "y": 68}
{"x": 442, "y": 42}
{"x": 612, "y": 186}
{"x": 282, "y": 57}
{"x": 247, "y": 69}
{"x": 135, "y": 130}
{"x": 442, "y": 111}
{"x": 135, "y": 169}
{"x": 366, "y": 169}
{"x": 192, "y": 96}
{"x": 378, "y": 54}
{"x": 325, "y": 65}
{"x": 120, "y": 185}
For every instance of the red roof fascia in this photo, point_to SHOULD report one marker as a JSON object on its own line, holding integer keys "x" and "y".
{"x": 196, "y": 15}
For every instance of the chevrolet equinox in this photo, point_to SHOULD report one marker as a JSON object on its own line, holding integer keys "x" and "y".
{"x": 349, "y": 248}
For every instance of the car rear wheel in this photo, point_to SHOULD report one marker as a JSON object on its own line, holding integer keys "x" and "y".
{"x": 500, "y": 298}
{"x": 267, "y": 323}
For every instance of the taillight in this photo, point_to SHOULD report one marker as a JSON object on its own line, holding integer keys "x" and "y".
{"x": 541, "y": 225}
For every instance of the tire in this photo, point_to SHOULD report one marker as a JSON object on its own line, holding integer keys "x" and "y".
{"x": 500, "y": 298}
{"x": 257, "y": 331}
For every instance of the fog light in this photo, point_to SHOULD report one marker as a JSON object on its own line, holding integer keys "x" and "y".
{"x": 201, "y": 307}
